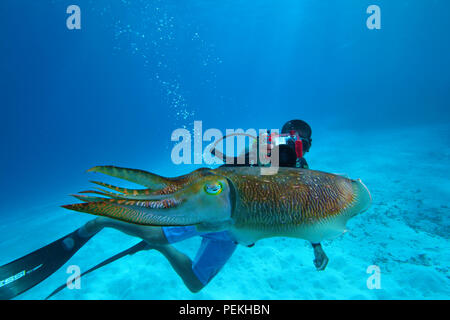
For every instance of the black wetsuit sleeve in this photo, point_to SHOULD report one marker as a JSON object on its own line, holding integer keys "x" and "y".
{"x": 303, "y": 163}
{"x": 235, "y": 162}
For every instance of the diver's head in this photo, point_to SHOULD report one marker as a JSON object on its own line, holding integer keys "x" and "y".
{"x": 302, "y": 129}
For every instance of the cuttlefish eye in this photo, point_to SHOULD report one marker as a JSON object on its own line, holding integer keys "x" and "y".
{"x": 214, "y": 188}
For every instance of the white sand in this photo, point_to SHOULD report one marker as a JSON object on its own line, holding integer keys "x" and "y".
{"x": 405, "y": 233}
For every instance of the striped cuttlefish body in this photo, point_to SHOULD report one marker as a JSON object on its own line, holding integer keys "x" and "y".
{"x": 299, "y": 203}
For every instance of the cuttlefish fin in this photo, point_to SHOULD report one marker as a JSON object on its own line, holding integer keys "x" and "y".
{"x": 342, "y": 175}
{"x": 149, "y": 213}
{"x": 141, "y": 177}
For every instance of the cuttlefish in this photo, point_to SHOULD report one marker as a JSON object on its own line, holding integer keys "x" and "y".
{"x": 298, "y": 203}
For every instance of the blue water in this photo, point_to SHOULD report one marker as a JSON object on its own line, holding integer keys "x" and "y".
{"x": 114, "y": 91}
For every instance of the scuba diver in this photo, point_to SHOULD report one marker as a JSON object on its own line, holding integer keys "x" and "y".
{"x": 291, "y": 145}
{"x": 215, "y": 249}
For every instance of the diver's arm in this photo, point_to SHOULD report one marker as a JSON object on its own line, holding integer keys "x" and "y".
{"x": 182, "y": 265}
{"x": 246, "y": 154}
{"x": 244, "y": 158}
{"x": 303, "y": 163}
{"x": 223, "y": 157}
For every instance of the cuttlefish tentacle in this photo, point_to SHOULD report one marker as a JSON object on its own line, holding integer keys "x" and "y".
{"x": 298, "y": 203}
{"x": 119, "y": 196}
{"x": 124, "y": 190}
{"x": 89, "y": 198}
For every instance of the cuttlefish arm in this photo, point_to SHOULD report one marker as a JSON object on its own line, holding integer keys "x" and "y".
{"x": 141, "y": 177}
{"x": 151, "y": 195}
{"x": 126, "y": 191}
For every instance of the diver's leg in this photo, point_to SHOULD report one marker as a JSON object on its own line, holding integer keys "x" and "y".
{"x": 182, "y": 265}
{"x": 210, "y": 258}
{"x": 157, "y": 240}
{"x": 320, "y": 258}
{"x": 154, "y": 236}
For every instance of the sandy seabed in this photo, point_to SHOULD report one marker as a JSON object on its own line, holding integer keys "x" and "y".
{"x": 405, "y": 233}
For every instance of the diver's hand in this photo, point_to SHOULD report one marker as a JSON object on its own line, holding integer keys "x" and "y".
{"x": 321, "y": 259}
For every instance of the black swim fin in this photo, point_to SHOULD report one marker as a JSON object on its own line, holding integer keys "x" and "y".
{"x": 136, "y": 248}
{"x": 24, "y": 273}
